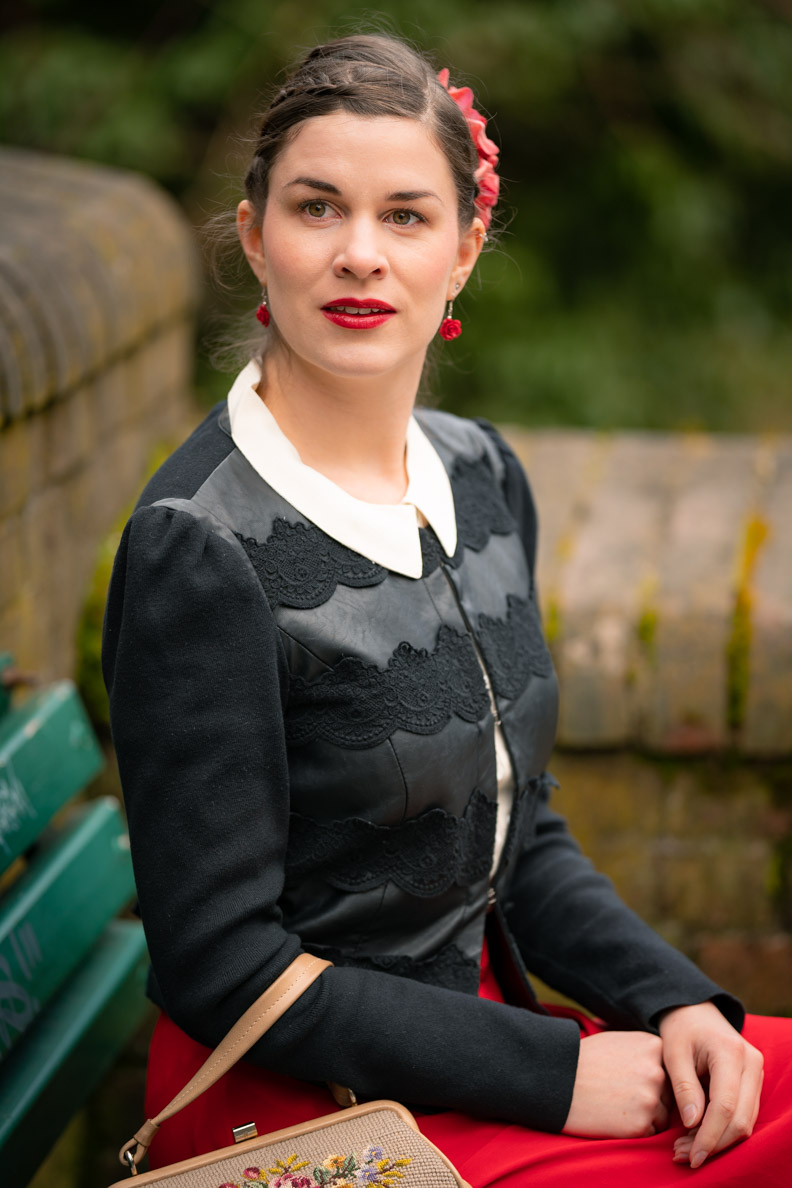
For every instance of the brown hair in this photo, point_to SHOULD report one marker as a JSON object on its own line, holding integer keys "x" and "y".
{"x": 367, "y": 74}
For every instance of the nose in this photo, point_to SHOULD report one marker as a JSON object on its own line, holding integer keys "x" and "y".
{"x": 361, "y": 250}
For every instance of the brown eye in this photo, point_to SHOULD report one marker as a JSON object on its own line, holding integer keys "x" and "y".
{"x": 402, "y": 217}
{"x": 316, "y": 209}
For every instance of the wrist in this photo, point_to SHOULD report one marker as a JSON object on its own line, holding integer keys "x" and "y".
{"x": 669, "y": 1017}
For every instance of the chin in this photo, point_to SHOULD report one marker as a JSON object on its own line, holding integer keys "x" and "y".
{"x": 362, "y": 362}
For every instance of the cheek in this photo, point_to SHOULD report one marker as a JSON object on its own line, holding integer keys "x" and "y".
{"x": 288, "y": 268}
{"x": 436, "y": 268}
{"x": 290, "y": 257}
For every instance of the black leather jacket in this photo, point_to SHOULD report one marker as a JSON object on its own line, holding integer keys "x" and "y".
{"x": 306, "y": 747}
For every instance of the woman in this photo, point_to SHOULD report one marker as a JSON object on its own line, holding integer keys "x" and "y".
{"x": 332, "y": 707}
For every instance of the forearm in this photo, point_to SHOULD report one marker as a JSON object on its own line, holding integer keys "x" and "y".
{"x": 575, "y": 933}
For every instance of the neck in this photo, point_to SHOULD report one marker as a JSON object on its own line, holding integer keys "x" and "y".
{"x": 352, "y": 430}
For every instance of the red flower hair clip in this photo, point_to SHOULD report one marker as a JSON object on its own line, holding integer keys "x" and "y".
{"x": 485, "y": 175}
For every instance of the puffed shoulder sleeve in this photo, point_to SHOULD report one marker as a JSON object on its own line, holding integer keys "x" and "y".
{"x": 198, "y": 684}
{"x": 196, "y": 680}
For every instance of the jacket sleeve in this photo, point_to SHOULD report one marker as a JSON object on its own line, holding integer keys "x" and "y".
{"x": 198, "y": 683}
{"x": 572, "y": 929}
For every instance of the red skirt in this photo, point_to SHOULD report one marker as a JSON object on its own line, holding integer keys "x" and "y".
{"x": 489, "y": 1154}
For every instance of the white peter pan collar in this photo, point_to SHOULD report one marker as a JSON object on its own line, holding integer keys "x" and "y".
{"x": 385, "y": 533}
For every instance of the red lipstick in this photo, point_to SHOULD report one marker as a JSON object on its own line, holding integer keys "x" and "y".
{"x": 358, "y": 313}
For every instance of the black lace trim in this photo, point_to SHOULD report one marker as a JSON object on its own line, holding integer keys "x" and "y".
{"x": 480, "y": 507}
{"x": 424, "y": 856}
{"x": 359, "y": 705}
{"x": 449, "y": 967}
{"x": 299, "y": 565}
{"x": 433, "y": 554}
{"x": 514, "y": 647}
{"x": 481, "y": 512}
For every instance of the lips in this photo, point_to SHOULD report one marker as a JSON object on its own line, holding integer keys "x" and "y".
{"x": 358, "y": 313}
{"x": 359, "y": 305}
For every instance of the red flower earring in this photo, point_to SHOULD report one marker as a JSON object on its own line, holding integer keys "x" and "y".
{"x": 450, "y": 327}
{"x": 263, "y": 313}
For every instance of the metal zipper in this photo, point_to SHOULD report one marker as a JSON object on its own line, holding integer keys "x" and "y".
{"x": 477, "y": 650}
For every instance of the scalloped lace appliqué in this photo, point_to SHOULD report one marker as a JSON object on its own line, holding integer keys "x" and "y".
{"x": 449, "y": 967}
{"x": 514, "y": 647}
{"x": 481, "y": 512}
{"x": 300, "y": 566}
{"x": 424, "y": 856}
{"x": 359, "y": 705}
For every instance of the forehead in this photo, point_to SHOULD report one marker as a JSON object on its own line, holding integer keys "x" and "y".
{"x": 385, "y": 152}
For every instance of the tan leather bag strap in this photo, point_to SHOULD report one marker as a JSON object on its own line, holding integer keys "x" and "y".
{"x": 255, "y": 1022}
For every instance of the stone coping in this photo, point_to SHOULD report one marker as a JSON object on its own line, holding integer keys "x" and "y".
{"x": 92, "y": 261}
{"x": 665, "y": 582}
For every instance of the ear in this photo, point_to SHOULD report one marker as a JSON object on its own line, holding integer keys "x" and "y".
{"x": 470, "y": 245}
{"x": 249, "y": 231}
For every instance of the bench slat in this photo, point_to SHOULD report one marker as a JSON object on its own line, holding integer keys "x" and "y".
{"x": 76, "y": 1040}
{"x": 48, "y": 753}
{"x": 79, "y": 879}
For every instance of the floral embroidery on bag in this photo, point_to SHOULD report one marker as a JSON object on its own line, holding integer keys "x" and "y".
{"x": 373, "y": 1170}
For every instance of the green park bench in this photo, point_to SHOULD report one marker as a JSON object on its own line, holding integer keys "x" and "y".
{"x": 71, "y": 976}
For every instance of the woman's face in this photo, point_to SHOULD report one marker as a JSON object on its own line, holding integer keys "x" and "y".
{"x": 361, "y": 211}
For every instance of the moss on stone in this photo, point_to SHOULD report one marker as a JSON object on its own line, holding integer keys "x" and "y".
{"x": 552, "y": 620}
{"x": 738, "y": 654}
{"x": 738, "y": 647}
{"x": 646, "y": 630}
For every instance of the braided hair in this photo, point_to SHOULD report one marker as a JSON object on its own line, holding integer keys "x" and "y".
{"x": 366, "y": 75}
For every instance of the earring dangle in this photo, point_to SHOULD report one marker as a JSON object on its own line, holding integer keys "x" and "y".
{"x": 450, "y": 327}
{"x": 263, "y": 313}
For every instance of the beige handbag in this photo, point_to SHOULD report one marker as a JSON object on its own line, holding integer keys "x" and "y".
{"x": 376, "y": 1145}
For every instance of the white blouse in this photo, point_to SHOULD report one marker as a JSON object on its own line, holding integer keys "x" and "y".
{"x": 386, "y": 534}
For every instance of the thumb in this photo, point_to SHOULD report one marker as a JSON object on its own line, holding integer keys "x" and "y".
{"x": 688, "y": 1093}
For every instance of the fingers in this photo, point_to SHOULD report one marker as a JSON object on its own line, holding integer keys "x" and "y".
{"x": 735, "y": 1094}
{"x": 683, "y": 1146}
{"x": 660, "y": 1117}
{"x": 688, "y": 1093}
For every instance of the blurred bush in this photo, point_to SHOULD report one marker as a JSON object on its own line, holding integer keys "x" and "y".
{"x": 644, "y": 273}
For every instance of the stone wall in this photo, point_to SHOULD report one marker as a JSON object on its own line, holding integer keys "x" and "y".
{"x": 665, "y": 575}
{"x": 98, "y": 282}
{"x": 700, "y": 848}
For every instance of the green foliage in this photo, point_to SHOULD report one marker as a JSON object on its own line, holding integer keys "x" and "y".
{"x": 89, "y": 678}
{"x": 644, "y": 275}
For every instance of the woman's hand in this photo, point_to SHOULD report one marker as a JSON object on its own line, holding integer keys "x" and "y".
{"x": 698, "y": 1042}
{"x": 621, "y": 1089}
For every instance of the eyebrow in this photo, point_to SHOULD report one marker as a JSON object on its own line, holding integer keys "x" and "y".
{"x": 316, "y": 183}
